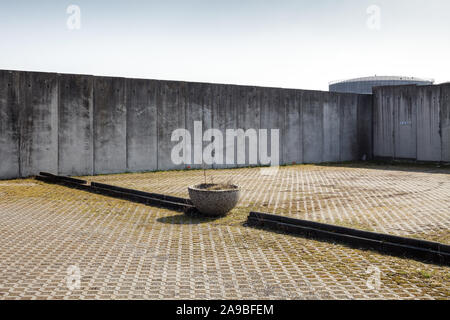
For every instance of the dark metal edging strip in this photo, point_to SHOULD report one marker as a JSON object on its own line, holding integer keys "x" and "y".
{"x": 177, "y": 206}
{"x": 141, "y": 193}
{"x": 396, "y": 249}
{"x": 62, "y": 178}
{"x": 424, "y": 244}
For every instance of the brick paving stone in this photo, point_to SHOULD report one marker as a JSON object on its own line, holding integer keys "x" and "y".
{"x": 126, "y": 250}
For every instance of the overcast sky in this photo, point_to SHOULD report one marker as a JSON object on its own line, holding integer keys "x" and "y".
{"x": 290, "y": 43}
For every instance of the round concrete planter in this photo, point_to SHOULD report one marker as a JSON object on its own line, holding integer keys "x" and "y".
{"x": 213, "y": 202}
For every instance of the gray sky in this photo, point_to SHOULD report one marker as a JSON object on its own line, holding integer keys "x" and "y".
{"x": 291, "y": 43}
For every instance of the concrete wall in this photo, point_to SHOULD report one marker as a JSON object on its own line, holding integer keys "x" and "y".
{"x": 75, "y": 134}
{"x": 9, "y": 125}
{"x": 38, "y": 122}
{"x": 412, "y": 122}
{"x": 82, "y": 125}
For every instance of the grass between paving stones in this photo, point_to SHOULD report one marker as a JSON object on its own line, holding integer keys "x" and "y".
{"x": 338, "y": 260}
{"x": 152, "y": 181}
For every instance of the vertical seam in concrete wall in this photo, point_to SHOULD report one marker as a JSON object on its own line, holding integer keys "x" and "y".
{"x": 91, "y": 123}
{"x": 393, "y": 123}
{"x": 341, "y": 127}
{"x": 303, "y": 129}
{"x": 157, "y": 99}
{"x": 372, "y": 146}
{"x": 440, "y": 123}
{"x": 58, "y": 116}
{"x": 324, "y": 101}
{"x": 300, "y": 121}
{"x": 417, "y": 126}
{"x": 94, "y": 126}
{"x": 396, "y": 119}
{"x": 19, "y": 100}
{"x": 125, "y": 91}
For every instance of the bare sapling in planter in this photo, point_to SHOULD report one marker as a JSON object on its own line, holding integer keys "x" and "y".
{"x": 214, "y": 199}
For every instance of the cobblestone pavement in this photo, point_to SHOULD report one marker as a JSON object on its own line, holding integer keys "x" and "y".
{"x": 125, "y": 250}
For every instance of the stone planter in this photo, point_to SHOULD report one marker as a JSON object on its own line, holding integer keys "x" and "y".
{"x": 214, "y": 202}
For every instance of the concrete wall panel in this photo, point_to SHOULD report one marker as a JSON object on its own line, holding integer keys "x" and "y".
{"x": 74, "y": 124}
{"x": 405, "y": 123}
{"x": 195, "y": 111}
{"x": 171, "y": 103}
{"x": 248, "y": 113}
{"x": 365, "y": 127}
{"x": 38, "y": 123}
{"x": 292, "y": 142}
{"x": 9, "y": 130}
{"x": 331, "y": 129}
{"x": 142, "y": 148}
{"x": 75, "y": 134}
{"x": 272, "y": 116}
{"x": 312, "y": 123}
{"x": 445, "y": 122}
{"x": 348, "y": 107}
{"x": 383, "y": 123}
{"x": 428, "y": 124}
{"x": 110, "y": 119}
{"x": 224, "y": 117}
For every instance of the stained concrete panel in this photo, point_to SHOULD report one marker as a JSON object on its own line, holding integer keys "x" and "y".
{"x": 208, "y": 99}
{"x": 224, "y": 117}
{"x": 405, "y": 122}
{"x": 365, "y": 116}
{"x": 197, "y": 112}
{"x": 142, "y": 147}
{"x": 110, "y": 121}
{"x": 383, "y": 123}
{"x": 312, "y": 123}
{"x": 292, "y": 135}
{"x": 248, "y": 108}
{"x": 9, "y": 130}
{"x": 171, "y": 102}
{"x": 428, "y": 124}
{"x": 128, "y": 124}
{"x": 38, "y": 123}
{"x": 272, "y": 116}
{"x": 331, "y": 128}
{"x": 75, "y": 136}
{"x": 348, "y": 107}
{"x": 445, "y": 122}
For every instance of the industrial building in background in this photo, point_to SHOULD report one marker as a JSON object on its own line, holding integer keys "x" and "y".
{"x": 365, "y": 85}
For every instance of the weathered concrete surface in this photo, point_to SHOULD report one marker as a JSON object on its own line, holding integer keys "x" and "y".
{"x": 331, "y": 129}
{"x": 225, "y": 117}
{"x": 405, "y": 122}
{"x": 75, "y": 134}
{"x": 141, "y": 125}
{"x": 383, "y": 125}
{"x": 74, "y": 124}
{"x": 9, "y": 131}
{"x": 365, "y": 117}
{"x": 445, "y": 122}
{"x": 38, "y": 123}
{"x": 171, "y": 115}
{"x": 428, "y": 124}
{"x": 312, "y": 123}
{"x": 110, "y": 143}
{"x": 417, "y": 119}
{"x": 293, "y": 139}
{"x": 248, "y": 106}
{"x": 271, "y": 117}
{"x": 348, "y": 107}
